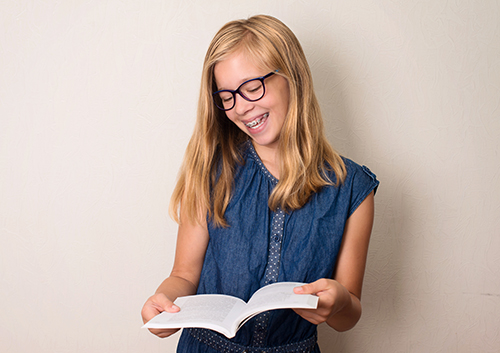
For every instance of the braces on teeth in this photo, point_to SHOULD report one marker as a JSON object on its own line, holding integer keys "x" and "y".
{"x": 257, "y": 121}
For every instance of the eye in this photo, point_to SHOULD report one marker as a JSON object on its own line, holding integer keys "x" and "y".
{"x": 225, "y": 98}
{"x": 253, "y": 86}
{"x": 252, "y": 89}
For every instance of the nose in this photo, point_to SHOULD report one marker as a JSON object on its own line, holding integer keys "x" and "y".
{"x": 241, "y": 105}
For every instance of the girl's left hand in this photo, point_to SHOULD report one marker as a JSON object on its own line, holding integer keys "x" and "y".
{"x": 333, "y": 297}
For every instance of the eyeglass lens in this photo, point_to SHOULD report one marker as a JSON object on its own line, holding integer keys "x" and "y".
{"x": 252, "y": 90}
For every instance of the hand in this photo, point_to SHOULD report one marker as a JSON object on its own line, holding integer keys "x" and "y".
{"x": 154, "y": 305}
{"x": 333, "y": 297}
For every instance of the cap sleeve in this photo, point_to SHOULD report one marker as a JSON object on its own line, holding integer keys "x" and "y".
{"x": 363, "y": 182}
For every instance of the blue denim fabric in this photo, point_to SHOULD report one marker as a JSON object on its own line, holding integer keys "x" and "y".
{"x": 259, "y": 247}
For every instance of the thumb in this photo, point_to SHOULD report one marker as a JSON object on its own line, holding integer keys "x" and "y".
{"x": 304, "y": 289}
{"x": 164, "y": 304}
{"x": 311, "y": 288}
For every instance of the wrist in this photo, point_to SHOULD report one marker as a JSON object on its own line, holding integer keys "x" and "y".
{"x": 348, "y": 314}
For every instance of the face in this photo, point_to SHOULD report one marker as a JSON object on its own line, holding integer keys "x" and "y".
{"x": 261, "y": 120}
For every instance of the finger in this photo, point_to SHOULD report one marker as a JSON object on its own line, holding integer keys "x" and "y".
{"x": 312, "y": 288}
{"x": 163, "y": 333}
{"x": 155, "y": 305}
{"x": 310, "y": 315}
{"x": 150, "y": 311}
{"x": 162, "y": 303}
{"x": 169, "y": 307}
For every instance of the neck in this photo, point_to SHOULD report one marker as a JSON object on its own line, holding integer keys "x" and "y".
{"x": 270, "y": 157}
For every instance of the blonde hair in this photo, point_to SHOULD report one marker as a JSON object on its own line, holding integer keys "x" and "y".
{"x": 206, "y": 177}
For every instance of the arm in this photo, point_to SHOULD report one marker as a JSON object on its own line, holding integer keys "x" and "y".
{"x": 339, "y": 298}
{"x": 192, "y": 240}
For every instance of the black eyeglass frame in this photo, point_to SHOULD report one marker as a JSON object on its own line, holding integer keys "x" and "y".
{"x": 237, "y": 90}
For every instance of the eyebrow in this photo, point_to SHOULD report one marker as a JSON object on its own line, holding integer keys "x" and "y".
{"x": 241, "y": 82}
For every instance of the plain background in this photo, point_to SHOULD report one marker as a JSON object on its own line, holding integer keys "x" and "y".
{"x": 98, "y": 101}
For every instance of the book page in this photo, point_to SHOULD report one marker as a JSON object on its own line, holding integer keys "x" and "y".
{"x": 277, "y": 296}
{"x": 216, "y": 312}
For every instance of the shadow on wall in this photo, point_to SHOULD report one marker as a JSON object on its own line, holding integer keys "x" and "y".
{"x": 384, "y": 284}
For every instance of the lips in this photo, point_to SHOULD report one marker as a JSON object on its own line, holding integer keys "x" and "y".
{"x": 254, "y": 124}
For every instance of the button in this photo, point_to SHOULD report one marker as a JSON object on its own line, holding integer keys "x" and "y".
{"x": 245, "y": 351}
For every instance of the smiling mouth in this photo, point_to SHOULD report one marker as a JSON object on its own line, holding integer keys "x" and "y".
{"x": 257, "y": 122}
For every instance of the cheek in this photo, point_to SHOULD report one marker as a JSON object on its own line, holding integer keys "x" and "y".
{"x": 233, "y": 119}
{"x": 286, "y": 100}
{"x": 281, "y": 100}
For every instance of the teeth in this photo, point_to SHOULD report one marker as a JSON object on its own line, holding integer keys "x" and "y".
{"x": 253, "y": 123}
{"x": 257, "y": 121}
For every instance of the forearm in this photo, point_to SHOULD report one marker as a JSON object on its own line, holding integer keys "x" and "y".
{"x": 348, "y": 316}
{"x": 176, "y": 286}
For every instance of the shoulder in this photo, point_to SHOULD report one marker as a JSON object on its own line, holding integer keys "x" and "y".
{"x": 359, "y": 175}
{"x": 359, "y": 182}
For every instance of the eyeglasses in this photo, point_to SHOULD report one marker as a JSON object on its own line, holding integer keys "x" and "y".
{"x": 251, "y": 90}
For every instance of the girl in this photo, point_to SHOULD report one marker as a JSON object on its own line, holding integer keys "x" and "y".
{"x": 262, "y": 197}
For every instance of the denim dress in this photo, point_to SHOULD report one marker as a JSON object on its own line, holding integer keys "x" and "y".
{"x": 260, "y": 247}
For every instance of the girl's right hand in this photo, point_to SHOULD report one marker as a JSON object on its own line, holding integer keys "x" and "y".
{"x": 154, "y": 305}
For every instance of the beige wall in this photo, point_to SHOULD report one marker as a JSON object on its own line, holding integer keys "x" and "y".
{"x": 97, "y": 102}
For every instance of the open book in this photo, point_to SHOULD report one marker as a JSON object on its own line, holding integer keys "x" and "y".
{"x": 226, "y": 314}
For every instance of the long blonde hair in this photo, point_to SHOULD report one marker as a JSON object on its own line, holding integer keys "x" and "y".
{"x": 206, "y": 177}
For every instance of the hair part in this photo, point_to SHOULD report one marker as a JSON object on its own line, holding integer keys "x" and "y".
{"x": 205, "y": 181}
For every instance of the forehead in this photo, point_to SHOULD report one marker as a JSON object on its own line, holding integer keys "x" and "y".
{"x": 235, "y": 69}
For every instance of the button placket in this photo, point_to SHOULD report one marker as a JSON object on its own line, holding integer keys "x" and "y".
{"x": 273, "y": 257}
{"x": 272, "y": 272}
